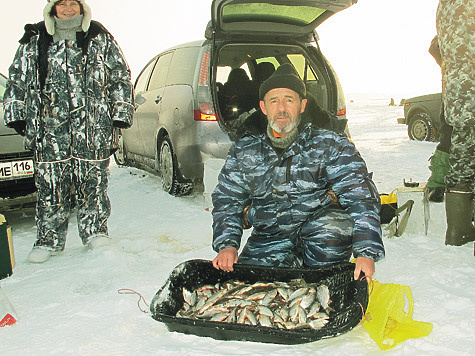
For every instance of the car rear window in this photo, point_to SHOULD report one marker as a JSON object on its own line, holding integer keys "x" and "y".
{"x": 239, "y": 94}
{"x": 265, "y": 12}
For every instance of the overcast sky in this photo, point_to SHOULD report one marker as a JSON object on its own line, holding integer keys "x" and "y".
{"x": 376, "y": 46}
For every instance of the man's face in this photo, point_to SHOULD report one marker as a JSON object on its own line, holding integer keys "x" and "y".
{"x": 283, "y": 107}
{"x": 66, "y": 9}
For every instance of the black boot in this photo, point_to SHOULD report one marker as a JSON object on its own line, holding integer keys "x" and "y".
{"x": 459, "y": 213}
{"x": 436, "y": 195}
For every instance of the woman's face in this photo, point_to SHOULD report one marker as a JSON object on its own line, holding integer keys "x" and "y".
{"x": 66, "y": 9}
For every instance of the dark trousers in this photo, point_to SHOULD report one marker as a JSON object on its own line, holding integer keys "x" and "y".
{"x": 323, "y": 240}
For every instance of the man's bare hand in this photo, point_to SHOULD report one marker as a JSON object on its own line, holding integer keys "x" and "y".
{"x": 226, "y": 258}
{"x": 365, "y": 265}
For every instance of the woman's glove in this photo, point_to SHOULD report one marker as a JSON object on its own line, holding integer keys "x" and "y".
{"x": 120, "y": 124}
{"x": 18, "y": 126}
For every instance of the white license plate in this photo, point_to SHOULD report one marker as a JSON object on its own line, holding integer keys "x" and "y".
{"x": 16, "y": 169}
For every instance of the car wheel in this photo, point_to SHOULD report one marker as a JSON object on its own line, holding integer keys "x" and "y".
{"x": 420, "y": 128}
{"x": 172, "y": 182}
{"x": 120, "y": 155}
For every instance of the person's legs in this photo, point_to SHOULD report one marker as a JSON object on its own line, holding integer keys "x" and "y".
{"x": 91, "y": 179}
{"x": 327, "y": 238}
{"x": 271, "y": 252}
{"x": 455, "y": 23}
{"x": 439, "y": 165}
{"x": 53, "y": 182}
{"x": 439, "y": 162}
{"x": 460, "y": 188}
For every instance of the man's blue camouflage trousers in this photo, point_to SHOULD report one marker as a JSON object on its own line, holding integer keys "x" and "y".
{"x": 65, "y": 185}
{"x": 325, "y": 239}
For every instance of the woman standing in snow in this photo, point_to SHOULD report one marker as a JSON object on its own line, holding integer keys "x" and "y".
{"x": 456, "y": 33}
{"x": 69, "y": 87}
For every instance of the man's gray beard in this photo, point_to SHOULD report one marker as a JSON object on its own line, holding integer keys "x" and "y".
{"x": 286, "y": 129}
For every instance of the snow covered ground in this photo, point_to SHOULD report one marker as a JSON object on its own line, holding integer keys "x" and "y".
{"x": 71, "y": 304}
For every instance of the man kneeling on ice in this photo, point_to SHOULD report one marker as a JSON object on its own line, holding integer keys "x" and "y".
{"x": 287, "y": 174}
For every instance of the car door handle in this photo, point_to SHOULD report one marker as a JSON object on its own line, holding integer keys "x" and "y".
{"x": 158, "y": 99}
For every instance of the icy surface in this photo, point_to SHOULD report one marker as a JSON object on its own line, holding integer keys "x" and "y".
{"x": 71, "y": 304}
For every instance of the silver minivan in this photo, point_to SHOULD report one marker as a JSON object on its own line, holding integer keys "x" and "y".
{"x": 192, "y": 99}
{"x": 16, "y": 164}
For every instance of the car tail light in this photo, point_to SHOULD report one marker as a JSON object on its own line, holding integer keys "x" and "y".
{"x": 202, "y": 116}
{"x": 205, "y": 110}
{"x": 341, "y": 112}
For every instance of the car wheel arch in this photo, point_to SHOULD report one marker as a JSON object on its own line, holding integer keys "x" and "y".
{"x": 178, "y": 185}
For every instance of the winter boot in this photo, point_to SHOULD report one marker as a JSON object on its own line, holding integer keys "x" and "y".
{"x": 40, "y": 255}
{"x": 98, "y": 241}
{"x": 459, "y": 213}
{"x": 439, "y": 165}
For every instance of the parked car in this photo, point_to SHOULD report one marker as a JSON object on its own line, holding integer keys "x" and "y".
{"x": 16, "y": 164}
{"x": 422, "y": 117}
{"x": 191, "y": 98}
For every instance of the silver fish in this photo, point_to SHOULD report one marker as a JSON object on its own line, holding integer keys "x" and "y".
{"x": 323, "y": 296}
{"x": 283, "y": 292}
{"x": 188, "y": 297}
{"x": 213, "y": 299}
{"x": 284, "y": 313}
{"x": 314, "y": 309}
{"x": 265, "y": 320}
{"x": 298, "y": 293}
{"x": 292, "y": 305}
{"x": 232, "y": 318}
{"x": 318, "y": 323}
{"x": 257, "y": 296}
{"x": 269, "y": 297}
{"x": 308, "y": 299}
{"x": 302, "y": 315}
{"x": 263, "y": 310}
{"x": 219, "y": 317}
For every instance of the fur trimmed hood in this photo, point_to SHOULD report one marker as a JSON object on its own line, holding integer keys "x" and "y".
{"x": 49, "y": 20}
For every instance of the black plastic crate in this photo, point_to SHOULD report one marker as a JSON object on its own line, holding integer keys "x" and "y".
{"x": 349, "y": 300}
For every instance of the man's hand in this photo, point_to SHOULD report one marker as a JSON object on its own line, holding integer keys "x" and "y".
{"x": 365, "y": 265}
{"x": 226, "y": 258}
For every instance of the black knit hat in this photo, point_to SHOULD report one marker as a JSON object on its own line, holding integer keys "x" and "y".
{"x": 284, "y": 77}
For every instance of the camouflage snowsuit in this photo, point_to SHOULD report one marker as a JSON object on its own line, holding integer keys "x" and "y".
{"x": 294, "y": 221}
{"x": 456, "y": 32}
{"x": 70, "y": 93}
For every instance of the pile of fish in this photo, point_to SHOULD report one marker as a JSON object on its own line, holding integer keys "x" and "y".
{"x": 286, "y": 305}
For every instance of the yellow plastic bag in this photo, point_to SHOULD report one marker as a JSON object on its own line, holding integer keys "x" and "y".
{"x": 388, "y": 319}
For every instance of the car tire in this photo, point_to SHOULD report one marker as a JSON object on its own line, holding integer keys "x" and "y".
{"x": 420, "y": 127}
{"x": 120, "y": 155}
{"x": 172, "y": 181}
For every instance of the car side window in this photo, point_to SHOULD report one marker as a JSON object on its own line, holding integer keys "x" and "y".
{"x": 160, "y": 72}
{"x": 299, "y": 64}
{"x": 142, "y": 80}
{"x": 315, "y": 86}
